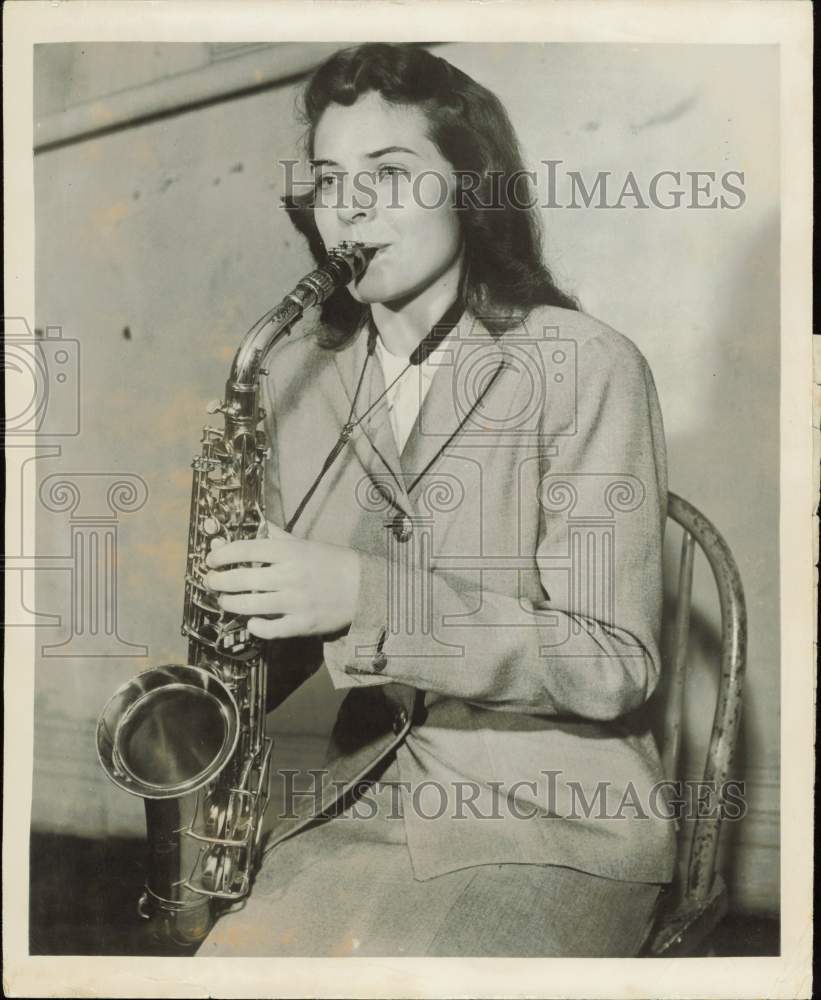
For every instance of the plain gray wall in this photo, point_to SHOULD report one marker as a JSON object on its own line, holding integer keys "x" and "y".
{"x": 173, "y": 230}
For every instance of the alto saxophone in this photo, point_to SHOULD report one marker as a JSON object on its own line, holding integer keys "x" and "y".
{"x": 190, "y": 739}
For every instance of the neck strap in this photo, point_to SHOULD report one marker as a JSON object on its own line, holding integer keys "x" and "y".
{"x": 428, "y": 345}
{"x": 437, "y": 334}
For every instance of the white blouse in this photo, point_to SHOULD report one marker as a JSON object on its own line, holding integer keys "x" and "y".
{"x": 406, "y": 397}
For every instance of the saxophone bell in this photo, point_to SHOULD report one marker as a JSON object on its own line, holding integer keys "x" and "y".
{"x": 167, "y": 732}
{"x": 166, "y": 735}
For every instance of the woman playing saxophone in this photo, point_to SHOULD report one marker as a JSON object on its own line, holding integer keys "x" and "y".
{"x": 477, "y": 563}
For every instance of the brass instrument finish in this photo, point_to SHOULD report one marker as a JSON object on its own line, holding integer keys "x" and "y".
{"x": 190, "y": 739}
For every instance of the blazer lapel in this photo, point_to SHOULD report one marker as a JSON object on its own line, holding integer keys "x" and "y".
{"x": 468, "y": 364}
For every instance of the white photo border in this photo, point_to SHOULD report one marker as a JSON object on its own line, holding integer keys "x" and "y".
{"x": 788, "y": 24}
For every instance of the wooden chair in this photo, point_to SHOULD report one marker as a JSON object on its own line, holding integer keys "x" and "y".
{"x": 690, "y": 911}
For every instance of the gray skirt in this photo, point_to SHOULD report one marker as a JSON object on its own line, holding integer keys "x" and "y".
{"x": 345, "y": 887}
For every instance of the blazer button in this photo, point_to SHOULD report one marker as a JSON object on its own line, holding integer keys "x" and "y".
{"x": 402, "y": 527}
{"x": 400, "y": 721}
{"x": 379, "y": 662}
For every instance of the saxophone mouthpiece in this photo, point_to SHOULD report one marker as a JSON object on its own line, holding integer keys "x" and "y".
{"x": 357, "y": 245}
{"x": 356, "y": 255}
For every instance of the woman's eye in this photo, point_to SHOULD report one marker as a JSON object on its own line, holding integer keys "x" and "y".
{"x": 390, "y": 170}
{"x": 326, "y": 181}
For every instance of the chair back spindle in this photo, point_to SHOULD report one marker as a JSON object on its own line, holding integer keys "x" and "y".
{"x": 703, "y": 898}
{"x": 680, "y": 642}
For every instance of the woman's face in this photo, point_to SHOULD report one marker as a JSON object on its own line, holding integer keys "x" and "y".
{"x": 380, "y": 179}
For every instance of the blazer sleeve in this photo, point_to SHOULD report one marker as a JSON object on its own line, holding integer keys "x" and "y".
{"x": 607, "y": 661}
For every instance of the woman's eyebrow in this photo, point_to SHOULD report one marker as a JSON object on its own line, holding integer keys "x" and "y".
{"x": 390, "y": 149}
{"x": 370, "y": 156}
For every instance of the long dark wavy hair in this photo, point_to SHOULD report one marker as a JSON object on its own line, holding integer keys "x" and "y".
{"x": 504, "y": 275}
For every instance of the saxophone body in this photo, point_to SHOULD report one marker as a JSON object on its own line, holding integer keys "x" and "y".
{"x": 190, "y": 738}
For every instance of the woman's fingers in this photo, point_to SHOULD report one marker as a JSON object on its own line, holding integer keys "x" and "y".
{"x": 256, "y": 604}
{"x": 250, "y": 550}
{"x": 314, "y": 585}
{"x": 277, "y": 628}
{"x": 237, "y": 581}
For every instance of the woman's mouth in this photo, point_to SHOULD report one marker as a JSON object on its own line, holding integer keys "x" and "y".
{"x": 378, "y": 248}
{"x": 369, "y": 243}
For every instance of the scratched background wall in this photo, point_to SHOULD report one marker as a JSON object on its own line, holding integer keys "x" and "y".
{"x": 159, "y": 240}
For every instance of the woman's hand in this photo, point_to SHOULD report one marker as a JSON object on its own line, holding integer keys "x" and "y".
{"x": 302, "y": 588}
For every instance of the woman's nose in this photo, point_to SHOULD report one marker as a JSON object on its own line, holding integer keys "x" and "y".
{"x": 358, "y": 201}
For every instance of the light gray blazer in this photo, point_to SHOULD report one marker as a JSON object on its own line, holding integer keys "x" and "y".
{"x": 506, "y": 633}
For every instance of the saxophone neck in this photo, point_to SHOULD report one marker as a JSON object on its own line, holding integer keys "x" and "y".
{"x": 263, "y": 335}
{"x": 344, "y": 263}
{"x": 241, "y": 405}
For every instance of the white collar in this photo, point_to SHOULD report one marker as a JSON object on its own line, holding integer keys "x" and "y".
{"x": 394, "y": 363}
